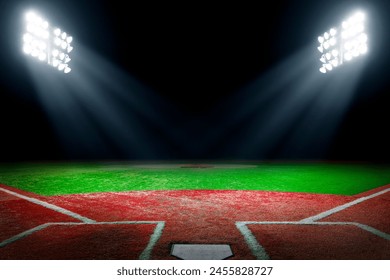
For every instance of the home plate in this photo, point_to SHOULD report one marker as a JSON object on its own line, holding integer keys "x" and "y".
{"x": 201, "y": 251}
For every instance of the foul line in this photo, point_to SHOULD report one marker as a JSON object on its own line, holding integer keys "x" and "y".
{"x": 50, "y": 206}
{"x": 341, "y": 207}
{"x": 145, "y": 255}
{"x": 23, "y": 235}
{"x": 259, "y": 252}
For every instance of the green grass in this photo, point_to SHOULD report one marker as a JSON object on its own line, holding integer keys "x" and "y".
{"x": 60, "y": 179}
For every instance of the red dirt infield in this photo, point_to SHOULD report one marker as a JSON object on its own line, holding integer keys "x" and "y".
{"x": 126, "y": 225}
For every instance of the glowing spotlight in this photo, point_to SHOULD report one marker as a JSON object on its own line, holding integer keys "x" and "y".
{"x": 363, "y": 49}
{"x": 326, "y": 35}
{"x": 64, "y": 45}
{"x": 326, "y": 45}
{"x": 348, "y": 56}
{"x": 343, "y": 46}
{"x": 41, "y": 41}
{"x": 55, "y": 53}
{"x": 30, "y": 16}
{"x": 67, "y": 70}
{"x": 42, "y": 56}
{"x": 363, "y": 38}
{"x": 27, "y": 38}
{"x": 333, "y": 32}
{"x": 34, "y": 53}
{"x": 57, "y": 41}
{"x": 67, "y": 59}
{"x": 57, "y": 32}
{"x": 27, "y": 49}
{"x": 359, "y": 17}
{"x": 55, "y": 63}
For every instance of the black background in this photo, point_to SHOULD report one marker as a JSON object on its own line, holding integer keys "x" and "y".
{"x": 194, "y": 56}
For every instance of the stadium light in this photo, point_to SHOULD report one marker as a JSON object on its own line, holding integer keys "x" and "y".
{"x": 47, "y": 44}
{"x": 343, "y": 44}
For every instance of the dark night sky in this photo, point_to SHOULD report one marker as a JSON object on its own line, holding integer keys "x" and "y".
{"x": 196, "y": 57}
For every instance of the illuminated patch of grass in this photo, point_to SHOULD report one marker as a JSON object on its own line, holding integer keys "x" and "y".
{"x": 60, "y": 179}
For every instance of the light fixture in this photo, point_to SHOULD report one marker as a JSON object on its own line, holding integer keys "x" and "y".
{"x": 344, "y": 43}
{"x": 42, "y": 41}
{"x": 67, "y": 69}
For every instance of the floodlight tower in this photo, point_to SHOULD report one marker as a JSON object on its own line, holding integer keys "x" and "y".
{"x": 47, "y": 44}
{"x": 342, "y": 44}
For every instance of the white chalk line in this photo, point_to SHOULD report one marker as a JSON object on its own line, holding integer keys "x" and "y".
{"x": 145, "y": 255}
{"x": 23, "y": 235}
{"x": 260, "y": 253}
{"x": 257, "y": 250}
{"x": 50, "y": 206}
{"x": 342, "y": 207}
{"x": 373, "y": 231}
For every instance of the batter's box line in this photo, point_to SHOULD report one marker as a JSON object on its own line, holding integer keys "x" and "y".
{"x": 259, "y": 251}
{"x": 145, "y": 255}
